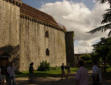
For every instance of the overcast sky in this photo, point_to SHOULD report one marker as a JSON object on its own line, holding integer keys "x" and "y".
{"x": 79, "y": 16}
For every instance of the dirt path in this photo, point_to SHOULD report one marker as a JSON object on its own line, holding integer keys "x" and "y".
{"x": 46, "y": 81}
{"x": 50, "y": 81}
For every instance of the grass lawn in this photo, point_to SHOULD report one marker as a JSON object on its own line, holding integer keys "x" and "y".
{"x": 53, "y": 72}
{"x": 108, "y": 69}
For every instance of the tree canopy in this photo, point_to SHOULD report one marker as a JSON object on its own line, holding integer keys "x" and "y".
{"x": 106, "y": 22}
{"x": 102, "y": 51}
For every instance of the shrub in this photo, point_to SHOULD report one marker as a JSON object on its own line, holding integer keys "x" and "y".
{"x": 44, "y": 66}
{"x": 87, "y": 59}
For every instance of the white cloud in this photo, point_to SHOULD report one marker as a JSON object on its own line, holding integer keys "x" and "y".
{"x": 79, "y": 18}
{"x": 94, "y": 1}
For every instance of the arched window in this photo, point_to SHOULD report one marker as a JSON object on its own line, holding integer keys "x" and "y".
{"x": 46, "y": 34}
{"x": 47, "y": 52}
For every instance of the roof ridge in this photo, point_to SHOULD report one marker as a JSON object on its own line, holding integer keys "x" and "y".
{"x": 39, "y": 15}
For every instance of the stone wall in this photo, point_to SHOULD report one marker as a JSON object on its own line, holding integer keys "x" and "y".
{"x": 33, "y": 44}
{"x": 9, "y": 23}
{"x": 21, "y": 30}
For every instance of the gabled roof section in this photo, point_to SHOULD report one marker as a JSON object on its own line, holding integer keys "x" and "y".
{"x": 39, "y": 16}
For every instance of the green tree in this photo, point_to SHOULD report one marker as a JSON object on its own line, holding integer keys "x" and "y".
{"x": 106, "y": 22}
{"x": 87, "y": 59}
{"x": 104, "y": 1}
{"x": 102, "y": 51}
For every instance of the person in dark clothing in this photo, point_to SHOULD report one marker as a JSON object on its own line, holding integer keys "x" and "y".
{"x": 62, "y": 71}
{"x": 0, "y": 77}
{"x": 31, "y": 71}
{"x": 68, "y": 71}
{"x": 5, "y": 75}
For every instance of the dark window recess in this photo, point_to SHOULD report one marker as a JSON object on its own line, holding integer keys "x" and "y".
{"x": 46, "y": 34}
{"x": 47, "y": 52}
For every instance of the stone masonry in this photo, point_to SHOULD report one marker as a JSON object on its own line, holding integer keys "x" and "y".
{"x": 34, "y": 32}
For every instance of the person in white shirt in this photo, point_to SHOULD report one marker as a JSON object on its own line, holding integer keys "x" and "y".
{"x": 11, "y": 72}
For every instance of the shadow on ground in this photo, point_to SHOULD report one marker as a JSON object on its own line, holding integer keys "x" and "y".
{"x": 51, "y": 81}
{"x": 46, "y": 81}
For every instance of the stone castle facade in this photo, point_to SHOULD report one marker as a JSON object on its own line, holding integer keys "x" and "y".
{"x": 37, "y": 34}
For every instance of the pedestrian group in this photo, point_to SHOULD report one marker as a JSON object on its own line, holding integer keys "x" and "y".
{"x": 81, "y": 76}
{"x": 7, "y": 75}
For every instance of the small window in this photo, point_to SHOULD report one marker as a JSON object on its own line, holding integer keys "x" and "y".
{"x": 47, "y": 52}
{"x": 46, "y": 34}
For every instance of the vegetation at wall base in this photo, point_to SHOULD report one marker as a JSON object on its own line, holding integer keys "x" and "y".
{"x": 44, "y": 66}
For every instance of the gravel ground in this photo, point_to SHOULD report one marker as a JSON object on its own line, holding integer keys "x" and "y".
{"x": 51, "y": 81}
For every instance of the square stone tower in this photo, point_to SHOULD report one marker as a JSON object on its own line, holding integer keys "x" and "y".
{"x": 70, "y": 48}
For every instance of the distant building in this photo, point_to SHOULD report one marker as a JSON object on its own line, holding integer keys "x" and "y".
{"x": 35, "y": 34}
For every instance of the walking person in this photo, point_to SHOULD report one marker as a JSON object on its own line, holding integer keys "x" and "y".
{"x": 3, "y": 73}
{"x": 68, "y": 71}
{"x": 81, "y": 75}
{"x": 62, "y": 71}
{"x": 96, "y": 75}
{"x": 31, "y": 72}
{"x": 11, "y": 73}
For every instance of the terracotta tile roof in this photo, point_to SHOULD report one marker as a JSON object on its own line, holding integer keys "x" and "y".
{"x": 40, "y": 16}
